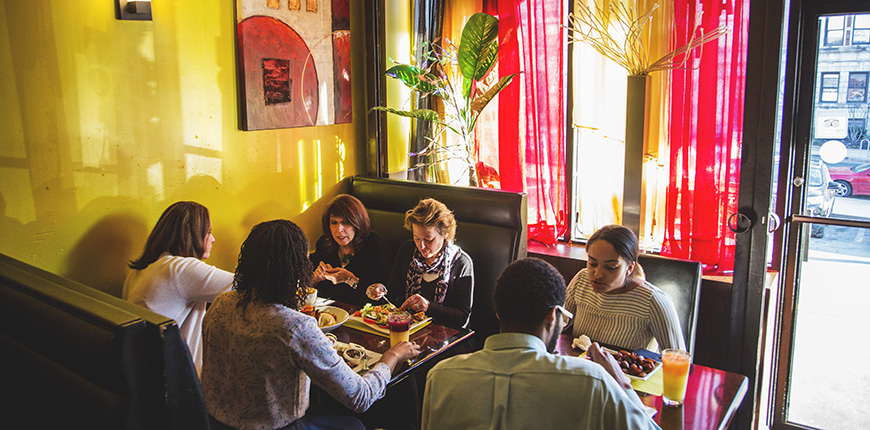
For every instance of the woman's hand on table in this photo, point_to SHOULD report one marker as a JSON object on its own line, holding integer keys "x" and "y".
{"x": 609, "y": 364}
{"x": 415, "y": 304}
{"x": 399, "y": 353}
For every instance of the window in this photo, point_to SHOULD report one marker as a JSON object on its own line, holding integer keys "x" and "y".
{"x": 834, "y": 30}
{"x": 830, "y": 87}
{"x": 861, "y": 30}
{"x": 857, "y": 87}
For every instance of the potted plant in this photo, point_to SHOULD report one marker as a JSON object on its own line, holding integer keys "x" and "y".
{"x": 458, "y": 77}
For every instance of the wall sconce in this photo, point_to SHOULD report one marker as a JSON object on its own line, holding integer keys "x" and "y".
{"x": 133, "y": 10}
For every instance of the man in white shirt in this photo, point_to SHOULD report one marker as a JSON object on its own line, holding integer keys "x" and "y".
{"x": 516, "y": 382}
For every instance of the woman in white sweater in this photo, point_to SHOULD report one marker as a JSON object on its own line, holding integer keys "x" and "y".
{"x": 170, "y": 277}
{"x": 613, "y": 304}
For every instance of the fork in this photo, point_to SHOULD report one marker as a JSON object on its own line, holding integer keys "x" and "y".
{"x": 385, "y": 296}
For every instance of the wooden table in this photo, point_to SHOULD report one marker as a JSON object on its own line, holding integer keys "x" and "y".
{"x": 712, "y": 396}
{"x": 434, "y": 340}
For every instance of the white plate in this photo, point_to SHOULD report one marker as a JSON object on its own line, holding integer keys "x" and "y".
{"x": 339, "y": 314}
{"x": 658, "y": 365}
{"x": 371, "y": 357}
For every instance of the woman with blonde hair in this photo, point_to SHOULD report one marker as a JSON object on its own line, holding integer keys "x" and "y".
{"x": 431, "y": 273}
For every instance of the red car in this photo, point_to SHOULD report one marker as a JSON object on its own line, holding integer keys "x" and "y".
{"x": 852, "y": 180}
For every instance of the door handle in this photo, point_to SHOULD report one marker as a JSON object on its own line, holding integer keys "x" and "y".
{"x": 773, "y": 222}
{"x": 739, "y": 223}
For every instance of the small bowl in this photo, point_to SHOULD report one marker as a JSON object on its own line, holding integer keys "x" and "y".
{"x": 340, "y": 315}
{"x": 310, "y": 298}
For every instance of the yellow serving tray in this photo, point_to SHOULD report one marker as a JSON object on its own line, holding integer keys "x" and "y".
{"x": 359, "y": 324}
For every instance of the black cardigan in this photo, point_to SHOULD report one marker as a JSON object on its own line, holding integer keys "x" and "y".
{"x": 456, "y": 308}
{"x": 370, "y": 264}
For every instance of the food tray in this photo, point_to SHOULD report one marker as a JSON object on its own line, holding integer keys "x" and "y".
{"x": 358, "y": 323}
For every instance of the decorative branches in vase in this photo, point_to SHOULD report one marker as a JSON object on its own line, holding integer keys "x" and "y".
{"x": 617, "y": 30}
{"x": 458, "y": 76}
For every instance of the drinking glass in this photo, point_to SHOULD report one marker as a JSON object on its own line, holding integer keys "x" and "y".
{"x": 400, "y": 327}
{"x": 675, "y": 363}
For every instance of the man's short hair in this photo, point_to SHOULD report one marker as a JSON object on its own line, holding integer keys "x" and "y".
{"x": 526, "y": 290}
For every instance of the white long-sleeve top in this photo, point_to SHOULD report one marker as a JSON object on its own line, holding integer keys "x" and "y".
{"x": 179, "y": 288}
{"x": 628, "y": 320}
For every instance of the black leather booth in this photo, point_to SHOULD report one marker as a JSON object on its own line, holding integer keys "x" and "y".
{"x": 491, "y": 228}
{"x": 75, "y": 357}
{"x": 681, "y": 279}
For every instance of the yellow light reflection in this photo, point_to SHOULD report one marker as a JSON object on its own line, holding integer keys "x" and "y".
{"x": 278, "y": 156}
{"x": 341, "y": 156}
{"x": 154, "y": 178}
{"x": 318, "y": 186}
{"x": 303, "y": 184}
{"x": 201, "y": 165}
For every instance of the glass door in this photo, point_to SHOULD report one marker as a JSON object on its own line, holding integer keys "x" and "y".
{"x": 823, "y": 351}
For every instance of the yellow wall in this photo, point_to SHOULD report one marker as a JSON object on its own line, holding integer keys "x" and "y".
{"x": 105, "y": 123}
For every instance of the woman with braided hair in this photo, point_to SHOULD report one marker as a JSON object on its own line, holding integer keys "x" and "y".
{"x": 261, "y": 354}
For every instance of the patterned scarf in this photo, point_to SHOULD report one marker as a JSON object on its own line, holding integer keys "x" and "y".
{"x": 441, "y": 267}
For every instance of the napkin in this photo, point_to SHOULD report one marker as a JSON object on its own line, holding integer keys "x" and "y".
{"x": 583, "y": 342}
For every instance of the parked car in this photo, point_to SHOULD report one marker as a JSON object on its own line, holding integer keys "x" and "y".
{"x": 821, "y": 192}
{"x": 852, "y": 180}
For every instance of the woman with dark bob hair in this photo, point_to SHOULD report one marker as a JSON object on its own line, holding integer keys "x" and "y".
{"x": 613, "y": 304}
{"x": 431, "y": 274}
{"x": 349, "y": 253}
{"x": 170, "y": 278}
{"x": 261, "y": 353}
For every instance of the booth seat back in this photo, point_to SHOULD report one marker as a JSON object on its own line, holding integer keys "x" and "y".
{"x": 75, "y": 357}
{"x": 491, "y": 228}
{"x": 681, "y": 279}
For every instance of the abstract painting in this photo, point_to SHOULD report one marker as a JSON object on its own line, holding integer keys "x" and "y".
{"x": 294, "y": 63}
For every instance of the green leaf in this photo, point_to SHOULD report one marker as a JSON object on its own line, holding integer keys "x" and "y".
{"x": 479, "y": 103}
{"x": 413, "y": 77}
{"x": 479, "y": 41}
{"x": 426, "y": 114}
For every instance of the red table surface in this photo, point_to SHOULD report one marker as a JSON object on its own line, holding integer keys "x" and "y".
{"x": 434, "y": 340}
{"x": 712, "y": 396}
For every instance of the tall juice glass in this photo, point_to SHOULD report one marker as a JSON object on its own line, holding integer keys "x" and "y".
{"x": 400, "y": 327}
{"x": 675, "y": 365}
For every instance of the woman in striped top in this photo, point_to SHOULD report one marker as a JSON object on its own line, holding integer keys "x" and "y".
{"x": 611, "y": 301}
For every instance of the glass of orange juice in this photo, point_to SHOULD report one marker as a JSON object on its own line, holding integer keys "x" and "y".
{"x": 400, "y": 327}
{"x": 675, "y": 363}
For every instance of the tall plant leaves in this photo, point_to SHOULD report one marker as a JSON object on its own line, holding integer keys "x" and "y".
{"x": 479, "y": 40}
{"x": 426, "y": 114}
{"x": 480, "y": 102}
{"x": 414, "y": 78}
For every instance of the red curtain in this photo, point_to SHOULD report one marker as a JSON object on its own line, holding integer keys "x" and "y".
{"x": 706, "y": 134}
{"x": 531, "y": 121}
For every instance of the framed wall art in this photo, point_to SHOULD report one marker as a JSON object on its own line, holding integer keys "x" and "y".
{"x": 294, "y": 63}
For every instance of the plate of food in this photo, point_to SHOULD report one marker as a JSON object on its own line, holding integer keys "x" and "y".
{"x": 634, "y": 365}
{"x": 328, "y": 317}
{"x": 356, "y": 356}
{"x": 374, "y": 317}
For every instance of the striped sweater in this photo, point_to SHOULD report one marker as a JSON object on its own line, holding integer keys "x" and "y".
{"x": 632, "y": 320}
